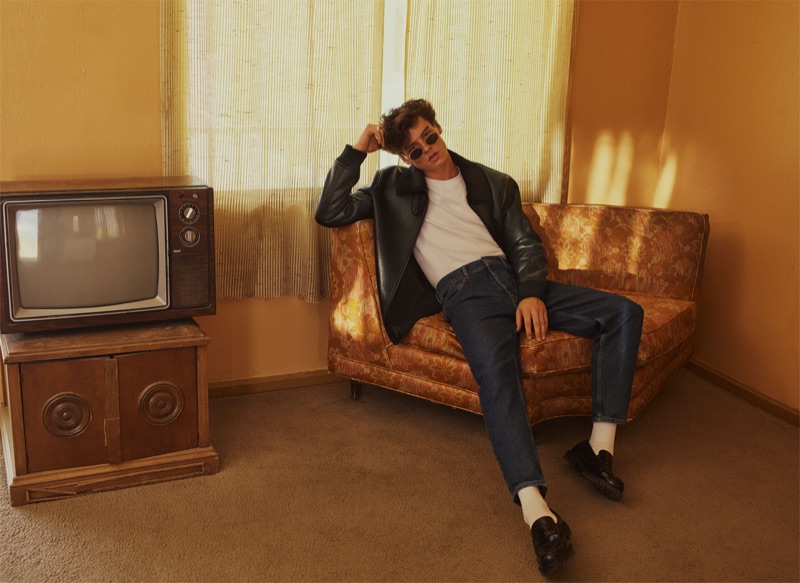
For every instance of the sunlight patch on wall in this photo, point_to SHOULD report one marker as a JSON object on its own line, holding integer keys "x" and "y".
{"x": 666, "y": 181}
{"x": 610, "y": 173}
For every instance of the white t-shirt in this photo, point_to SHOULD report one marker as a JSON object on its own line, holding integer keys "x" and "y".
{"x": 452, "y": 234}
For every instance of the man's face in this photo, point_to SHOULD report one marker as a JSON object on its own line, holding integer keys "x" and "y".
{"x": 433, "y": 156}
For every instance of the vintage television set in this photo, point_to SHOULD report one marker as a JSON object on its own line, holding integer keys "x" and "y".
{"x": 89, "y": 253}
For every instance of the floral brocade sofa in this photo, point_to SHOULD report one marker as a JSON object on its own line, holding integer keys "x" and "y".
{"x": 654, "y": 257}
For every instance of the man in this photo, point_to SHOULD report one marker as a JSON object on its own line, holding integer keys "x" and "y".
{"x": 451, "y": 235}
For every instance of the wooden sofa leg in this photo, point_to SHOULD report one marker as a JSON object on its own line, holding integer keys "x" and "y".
{"x": 355, "y": 389}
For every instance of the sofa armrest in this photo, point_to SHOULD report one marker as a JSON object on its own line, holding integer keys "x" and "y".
{"x": 356, "y": 326}
{"x": 654, "y": 251}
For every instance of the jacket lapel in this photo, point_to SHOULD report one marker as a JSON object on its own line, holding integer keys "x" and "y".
{"x": 411, "y": 184}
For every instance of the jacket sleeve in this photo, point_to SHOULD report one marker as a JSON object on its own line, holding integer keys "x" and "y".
{"x": 338, "y": 205}
{"x": 523, "y": 245}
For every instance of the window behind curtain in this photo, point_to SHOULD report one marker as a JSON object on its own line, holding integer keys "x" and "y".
{"x": 498, "y": 74}
{"x": 260, "y": 96}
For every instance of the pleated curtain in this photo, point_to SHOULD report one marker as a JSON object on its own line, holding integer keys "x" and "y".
{"x": 260, "y": 96}
{"x": 497, "y": 72}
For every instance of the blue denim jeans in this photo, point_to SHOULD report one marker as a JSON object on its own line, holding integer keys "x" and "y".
{"x": 480, "y": 303}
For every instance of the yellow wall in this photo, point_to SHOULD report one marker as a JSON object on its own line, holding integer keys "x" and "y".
{"x": 252, "y": 339}
{"x": 620, "y": 88}
{"x": 679, "y": 104}
{"x": 79, "y": 89}
{"x": 732, "y": 130}
{"x": 694, "y": 105}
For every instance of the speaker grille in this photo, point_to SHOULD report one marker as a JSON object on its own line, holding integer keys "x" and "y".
{"x": 190, "y": 280}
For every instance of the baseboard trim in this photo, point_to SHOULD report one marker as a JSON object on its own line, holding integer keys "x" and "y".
{"x": 746, "y": 392}
{"x": 271, "y": 383}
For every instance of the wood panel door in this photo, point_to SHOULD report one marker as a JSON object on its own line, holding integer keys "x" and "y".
{"x": 64, "y": 407}
{"x": 157, "y": 402}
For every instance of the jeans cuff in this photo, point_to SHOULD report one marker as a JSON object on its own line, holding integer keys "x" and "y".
{"x": 541, "y": 484}
{"x": 603, "y": 419}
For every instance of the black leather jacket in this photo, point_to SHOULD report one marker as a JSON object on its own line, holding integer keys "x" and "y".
{"x": 397, "y": 200}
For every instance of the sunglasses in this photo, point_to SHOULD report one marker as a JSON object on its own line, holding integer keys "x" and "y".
{"x": 430, "y": 139}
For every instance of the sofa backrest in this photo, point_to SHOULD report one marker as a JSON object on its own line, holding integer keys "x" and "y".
{"x": 655, "y": 251}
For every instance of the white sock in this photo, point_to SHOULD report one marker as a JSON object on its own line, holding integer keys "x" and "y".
{"x": 603, "y": 435}
{"x": 533, "y": 505}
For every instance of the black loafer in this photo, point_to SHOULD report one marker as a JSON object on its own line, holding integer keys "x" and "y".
{"x": 597, "y": 469}
{"x": 551, "y": 543}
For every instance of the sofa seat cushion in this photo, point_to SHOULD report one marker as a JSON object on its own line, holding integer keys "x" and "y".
{"x": 667, "y": 322}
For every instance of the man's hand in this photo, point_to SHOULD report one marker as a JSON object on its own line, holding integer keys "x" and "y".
{"x": 532, "y": 313}
{"x": 370, "y": 140}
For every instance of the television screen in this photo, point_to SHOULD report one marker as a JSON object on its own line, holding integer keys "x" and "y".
{"x": 85, "y": 254}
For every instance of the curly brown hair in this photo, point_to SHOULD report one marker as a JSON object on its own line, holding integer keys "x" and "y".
{"x": 396, "y": 123}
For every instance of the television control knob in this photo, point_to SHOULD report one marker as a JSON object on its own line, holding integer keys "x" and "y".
{"x": 189, "y": 213}
{"x": 189, "y": 236}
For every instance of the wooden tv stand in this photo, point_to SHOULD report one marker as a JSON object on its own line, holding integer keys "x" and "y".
{"x": 105, "y": 408}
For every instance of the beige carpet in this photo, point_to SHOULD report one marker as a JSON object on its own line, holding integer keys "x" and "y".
{"x": 314, "y": 486}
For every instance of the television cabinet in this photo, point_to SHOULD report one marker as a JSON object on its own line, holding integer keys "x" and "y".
{"x": 104, "y": 408}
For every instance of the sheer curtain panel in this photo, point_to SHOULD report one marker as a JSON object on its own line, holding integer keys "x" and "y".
{"x": 259, "y": 97}
{"x": 497, "y": 72}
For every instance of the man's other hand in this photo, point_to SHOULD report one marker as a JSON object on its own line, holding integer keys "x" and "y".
{"x": 370, "y": 140}
{"x": 532, "y": 314}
